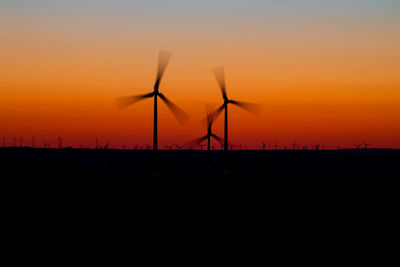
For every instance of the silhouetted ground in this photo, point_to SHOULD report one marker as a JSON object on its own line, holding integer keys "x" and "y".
{"x": 278, "y": 193}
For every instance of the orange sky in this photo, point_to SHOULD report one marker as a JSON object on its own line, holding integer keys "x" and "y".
{"x": 330, "y": 79}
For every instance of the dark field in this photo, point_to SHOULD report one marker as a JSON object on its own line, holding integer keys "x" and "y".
{"x": 285, "y": 186}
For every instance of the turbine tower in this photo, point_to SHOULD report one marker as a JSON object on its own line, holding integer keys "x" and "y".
{"x": 60, "y": 142}
{"x": 182, "y": 117}
{"x": 252, "y": 108}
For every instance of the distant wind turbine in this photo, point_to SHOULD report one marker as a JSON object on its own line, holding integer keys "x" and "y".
{"x": 366, "y": 145}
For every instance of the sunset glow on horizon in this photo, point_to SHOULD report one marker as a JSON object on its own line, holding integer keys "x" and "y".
{"x": 325, "y": 72}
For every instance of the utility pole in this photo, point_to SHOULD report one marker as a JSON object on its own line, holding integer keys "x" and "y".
{"x": 294, "y": 145}
{"x": 97, "y": 143}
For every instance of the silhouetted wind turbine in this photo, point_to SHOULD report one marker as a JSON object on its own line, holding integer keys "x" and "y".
{"x": 60, "y": 141}
{"x": 210, "y": 117}
{"x": 46, "y": 145}
{"x": 182, "y": 117}
{"x": 179, "y": 147}
{"x": 252, "y": 108}
{"x": 366, "y": 145}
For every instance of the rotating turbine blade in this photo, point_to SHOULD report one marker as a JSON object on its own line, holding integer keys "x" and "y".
{"x": 208, "y": 120}
{"x": 123, "y": 102}
{"x": 216, "y": 113}
{"x": 163, "y": 59}
{"x": 219, "y": 139}
{"x": 196, "y": 141}
{"x": 220, "y": 76}
{"x": 178, "y": 112}
{"x": 250, "y": 107}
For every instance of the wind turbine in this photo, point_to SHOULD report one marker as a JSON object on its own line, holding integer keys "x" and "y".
{"x": 210, "y": 118}
{"x": 179, "y": 147}
{"x": 46, "y": 145}
{"x": 60, "y": 142}
{"x": 123, "y": 102}
{"x": 263, "y": 145}
{"x": 366, "y": 145}
{"x": 252, "y": 108}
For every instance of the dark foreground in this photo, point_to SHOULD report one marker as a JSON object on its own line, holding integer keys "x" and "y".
{"x": 275, "y": 175}
{"x": 276, "y": 193}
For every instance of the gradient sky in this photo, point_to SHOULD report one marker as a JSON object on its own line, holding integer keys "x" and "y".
{"x": 324, "y": 71}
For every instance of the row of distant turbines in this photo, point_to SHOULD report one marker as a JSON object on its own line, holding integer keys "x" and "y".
{"x": 18, "y": 142}
{"x": 197, "y": 144}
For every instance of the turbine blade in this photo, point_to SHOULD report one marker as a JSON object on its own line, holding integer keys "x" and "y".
{"x": 216, "y": 113}
{"x": 163, "y": 60}
{"x": 196, "y": 141}
{"x": 123, "y": 102}
{"x": 178, "y": 112}
{"x": 250, "y": 107}
{"x": 219, "y": 139}
{"x": 220, "y": 76}
{"x": 209, "y": 114}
